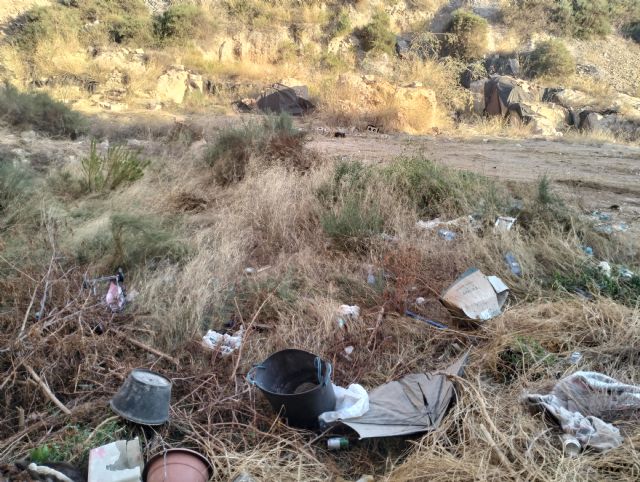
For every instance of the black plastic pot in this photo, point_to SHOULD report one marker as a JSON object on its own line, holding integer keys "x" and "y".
{"x": 297, "y": 384}
{"x": 143, "y": 398}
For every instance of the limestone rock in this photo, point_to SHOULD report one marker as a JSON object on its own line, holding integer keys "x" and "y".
{"x": 172, "y": 86}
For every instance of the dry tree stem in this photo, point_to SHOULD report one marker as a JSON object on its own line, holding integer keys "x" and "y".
{"x": 46, "y": 390}
{"x": 249, "y": 326}
{"x": 372, "y": 339}
{"x": 139, "y": 344}
{"x": 503, "y": 458}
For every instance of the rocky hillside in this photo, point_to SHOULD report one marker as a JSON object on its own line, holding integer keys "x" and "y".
{"x": 184, "y": 55}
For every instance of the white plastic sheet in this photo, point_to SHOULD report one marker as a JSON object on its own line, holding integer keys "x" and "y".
{"x": 351, "y": 402}
{"x": 582, "y": 404}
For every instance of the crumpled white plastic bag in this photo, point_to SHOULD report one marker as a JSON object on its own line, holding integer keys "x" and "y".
{"x": 351, "y": 402}
{"x": 226, "y": 343}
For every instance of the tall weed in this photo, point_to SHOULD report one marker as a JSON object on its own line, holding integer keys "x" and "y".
{"x": 106, "y": 172}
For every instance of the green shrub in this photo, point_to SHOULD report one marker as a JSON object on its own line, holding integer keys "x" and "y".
{"x": 352, "y": 221}
{"x": 105, "y": 172}
{"x": 132, "y": 241}
{"x": 135, "y": 30}
{"x": 633, "y": 31}
{"x": 522, "y": 355}
{"x": 574, "y": 18}
{"x": 468, "y": 35}
{"x": 377, "y": 35}
{"x": 16, "y": 183}
{"x": 351, "y": 214}
{"x": 73, "y": 446}
{"x": 340, "y": 24}
{"x": 433, "y": 190}
{"x": 551, "y": 58}
{"x": 182, "y": 22}
{"x": 273, "y": 140}
{"x": 589, "y": 278}
{"x": 591, "y": 18}
{"x": 40, "y": 24}
{"x": 40, "y": 112}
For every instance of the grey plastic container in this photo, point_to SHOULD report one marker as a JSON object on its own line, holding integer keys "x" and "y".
{"x": 297, "y": 384}
{"x": 143, "y": 398}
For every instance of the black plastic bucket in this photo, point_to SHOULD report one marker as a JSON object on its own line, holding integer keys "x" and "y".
{"x": 297, "y": 384}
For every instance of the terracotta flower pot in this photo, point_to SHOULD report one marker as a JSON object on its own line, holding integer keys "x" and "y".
{"x": 177, "y": 465}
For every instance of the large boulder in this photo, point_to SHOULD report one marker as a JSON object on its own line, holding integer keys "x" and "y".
{"x": 172, "y": 85}
{"x": 411, "y": 109}
{"x": 416, "y": 109}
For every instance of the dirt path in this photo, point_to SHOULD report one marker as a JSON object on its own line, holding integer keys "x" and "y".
{"x": 597, "y": 176}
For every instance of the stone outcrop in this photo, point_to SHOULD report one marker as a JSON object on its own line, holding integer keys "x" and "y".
{"x": 176, "y": 82}
{"x": 411, "y": 109}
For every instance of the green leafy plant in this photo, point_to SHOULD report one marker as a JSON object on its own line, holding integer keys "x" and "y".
{"x": 181, "y": 22}
{"x": 105, "y": 172}
{"x": 340, "y": 24}
{"x": 431, "y": 189}
{"x": 589, "y": 278}
{"x": 16, "y": 183}
{"x": 352, "y": 221}
{"x": 131, "y": 241}
{"x": 551, "y": 58}
{"x": 273, "y": 140}
{"x": 40, "y": 112}
{"x": 468, "y": 35}
{"x": 377, "y": 35}
{"x": 632, "y": 31}
{"x": 524, "y": 354}
{"x": 73, "y": 445}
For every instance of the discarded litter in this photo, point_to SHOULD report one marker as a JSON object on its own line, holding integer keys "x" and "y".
{"x": 337, "y": 443}
{"x": 347, "y": 312}
{"x": 416, "y": 316}
{"x": 416, "y": 403}
{"x": 476, "y": 296}
{"x": 143, "y": 398}
{"x": 600, "y": 216}
{"x": 446, "y": 234}
{"x": 371, "y": 278}
{"x": 504, "y": 223}
{"x": 226, "y": 343}
{"x": 351, "y": 402}
{"x": 610, "y": 228}
{"x": 582, "y": 404}
{"x": 626, "y": 273}
{"x": 116, "y": 296}
{"x": 571, "y": 446}
{"x": 177, "y": 465}
{"x": 583, "y": 294}
{"x": 352, "y": 311}
{"x": 588, "y": 250}
{"x": 605, "y": 268}
{"x": 420, "y": 300}
{"x": 120, "y": 461}
{"x": 297, "y": 384}
{"x": 348, "y": 350}
{"x": 458, "y": 222}
{"x": 513, "y": 264}
{"x": 575, "y": 358}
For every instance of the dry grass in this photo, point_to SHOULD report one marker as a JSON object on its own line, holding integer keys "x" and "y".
{"x": 273, "y": 219}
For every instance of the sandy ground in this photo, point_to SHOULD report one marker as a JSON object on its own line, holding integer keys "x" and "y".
{"x": 596, "y": 176}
